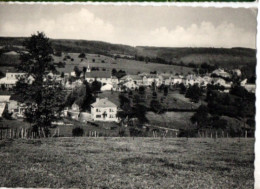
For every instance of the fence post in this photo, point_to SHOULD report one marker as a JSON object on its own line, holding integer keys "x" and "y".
{"x": 246, "y": 134}
{"x": 22, "y": 133}
{"x": 216, "y": 134}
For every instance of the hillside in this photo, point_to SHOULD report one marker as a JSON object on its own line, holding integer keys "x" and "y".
{"x": 224, "y": 57}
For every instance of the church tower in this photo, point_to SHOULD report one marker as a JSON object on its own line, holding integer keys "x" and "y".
{"x": 88, "y": 69}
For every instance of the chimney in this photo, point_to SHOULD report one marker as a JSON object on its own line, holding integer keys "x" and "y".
{"x": 97, "y": 99}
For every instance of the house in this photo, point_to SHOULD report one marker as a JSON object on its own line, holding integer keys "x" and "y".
{"x": 237, "y": 72}
{"x": 4, "y": 100}
{"x": 243, "y": 82}
{"x": 190, "y": 80}
{"x": 172, "y": 79}
{"x": 221, "y": 73}
{"x": 221, "y": 82}
{"x": 104, "y": 77}
{"x": 9, "y": 81}
{"x": 149, "y": 79}
{"x": 74, "y": 111}
{"x": 104, "y": 110}
{"x": 250, "y": 87}
{"x": 138, "y": 80}
{"x": 131, "y": 85}
{"x": 107, "y": 87}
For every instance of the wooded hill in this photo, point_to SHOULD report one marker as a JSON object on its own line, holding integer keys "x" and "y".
{"x": 223, "y": 57}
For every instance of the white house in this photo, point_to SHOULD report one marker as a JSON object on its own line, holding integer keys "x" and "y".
{"x": 250, "y": 87}
{"x": 222, "y": 73}
{"x": 107, "y": 87}
{"x": 104, "y": 110}
{"x": 74, "y": 111}
{"x": 4, "y": 99}
{"x": 10, "y": 79}
{"x": 172, "y": 79}
{"x": 104, "y": 77}
{"x": 129, "y": 85}
{"x": 135, "y": 78}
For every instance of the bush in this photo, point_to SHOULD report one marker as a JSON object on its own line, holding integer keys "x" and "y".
{"x": 122, "y": 133}
{"x": 77, "y": 131}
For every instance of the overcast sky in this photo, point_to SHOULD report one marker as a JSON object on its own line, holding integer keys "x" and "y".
{"x": 134, "y": 25}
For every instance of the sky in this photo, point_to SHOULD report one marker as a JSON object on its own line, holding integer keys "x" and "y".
{"x": 165, "y": 26}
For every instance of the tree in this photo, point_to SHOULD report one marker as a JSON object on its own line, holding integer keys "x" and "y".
{"x": 84, "y": 69}
{"x": 165, "y": 91}
{"x": 156, "y": 106}
{"x": 44, "y": 97}
{"x": 89, "y": 98}
{"x": 141, "y": 90}
{"x": 82, "y": 55}
{"x": 194, "y": 93}
{"x": 77, "y": 71}
{"x": 114, "y": 72}
{"x": 182, "y": 88}
{"x": 3, "y": 87}
{"x": 154, "y": 95}
{"x": 200, "y": 118}
{"x": 96, "y": 86}
{"x": 139, "y": 111}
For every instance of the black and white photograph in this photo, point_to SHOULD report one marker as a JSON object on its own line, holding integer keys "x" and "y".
{"x": 127, "y": 96}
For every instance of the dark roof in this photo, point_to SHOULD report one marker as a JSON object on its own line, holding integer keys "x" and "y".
{"x": 98, "y": 74}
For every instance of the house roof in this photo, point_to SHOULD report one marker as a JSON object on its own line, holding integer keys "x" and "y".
{"x": 133, "y": 77}
{"x": 2, "y": 108}
{"x": 9, "y": 81}
{"x": 103, "y": 103}
{"x": 4, "y": 98}
{"x": 98, "y": 74}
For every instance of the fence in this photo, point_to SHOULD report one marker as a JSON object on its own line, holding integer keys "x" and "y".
{"x": 11, "y": 133}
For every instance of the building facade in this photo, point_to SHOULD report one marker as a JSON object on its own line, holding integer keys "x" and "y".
{"x": 104, "y": 110}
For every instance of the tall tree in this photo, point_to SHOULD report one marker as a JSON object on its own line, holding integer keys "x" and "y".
{"x": 77, "y": 71}
{"x": 44, "y": 97}
{"x": 84, "y": 71}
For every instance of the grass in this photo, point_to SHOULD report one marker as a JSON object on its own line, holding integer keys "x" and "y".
{"x": 127, "y": 163}
{"x": 130, "y": 66}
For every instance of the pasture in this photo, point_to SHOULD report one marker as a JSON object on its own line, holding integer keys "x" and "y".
{"x": 127, "y": 163}
{"x": 130, "y": 66}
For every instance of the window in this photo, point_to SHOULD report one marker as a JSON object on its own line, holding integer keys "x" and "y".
{"x": 111, "y": 110}
{"x": 98, "y": 116}
{"x": 111, "y": 116}
{"x": 97, "y": 110}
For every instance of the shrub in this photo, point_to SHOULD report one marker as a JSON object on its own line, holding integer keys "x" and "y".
{"x": 82, "y": 55}
{"x": 122, "y": 133}
{"x": 77, "y": 131}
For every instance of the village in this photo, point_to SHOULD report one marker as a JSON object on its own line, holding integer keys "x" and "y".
{"x": 128, "y": 96}
{"x": 111, "y": 83}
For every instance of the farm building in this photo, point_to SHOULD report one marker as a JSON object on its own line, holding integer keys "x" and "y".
{"x": 107, "y": 87}
{"x": 104, "y": 77}
{"x": 104, "y": 110}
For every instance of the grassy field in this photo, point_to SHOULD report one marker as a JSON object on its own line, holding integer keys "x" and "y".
{"x": 127, "y": 163}
{"x": 130, "y": 66}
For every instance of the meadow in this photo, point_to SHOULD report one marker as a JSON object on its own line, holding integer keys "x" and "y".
{"x": 127, "y": 163}
{"x": 130, "y": 66}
